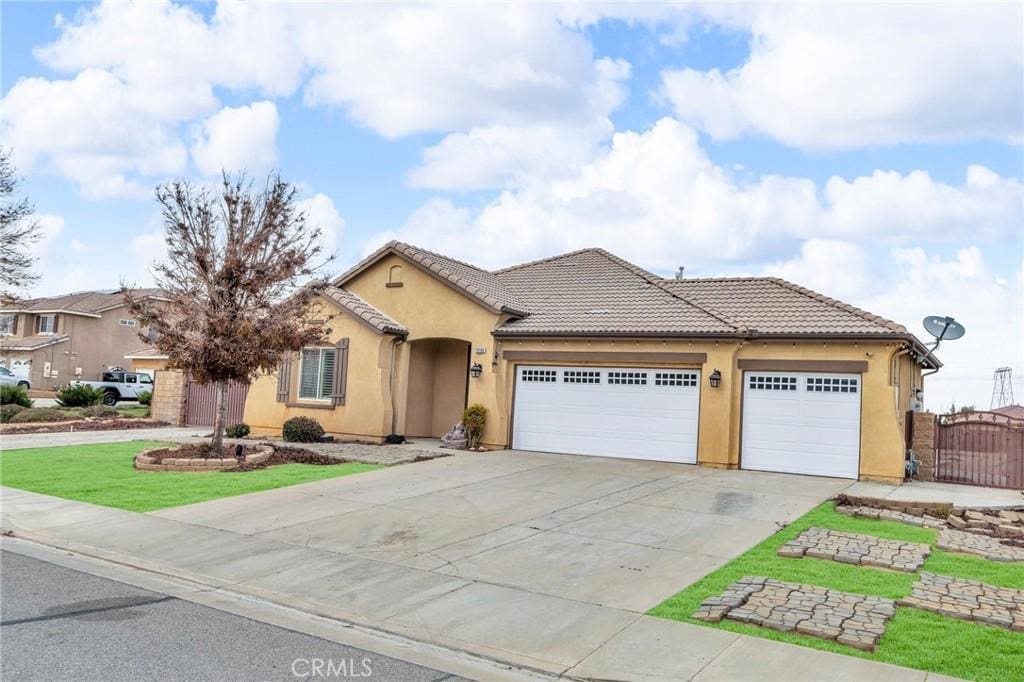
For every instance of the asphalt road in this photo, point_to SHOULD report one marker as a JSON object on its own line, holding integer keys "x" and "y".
{"x": 61, "y": 624}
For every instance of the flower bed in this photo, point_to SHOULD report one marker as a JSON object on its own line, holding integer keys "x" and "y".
{"x": 188, "y": 458}
{"x": 83, "y": 425}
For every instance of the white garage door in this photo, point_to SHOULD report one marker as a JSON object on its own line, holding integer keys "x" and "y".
{"x": 801, "y": 423}
{"x": 609, "y": 411}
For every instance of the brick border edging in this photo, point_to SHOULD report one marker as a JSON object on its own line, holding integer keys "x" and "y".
{"x": 143, "y": 462}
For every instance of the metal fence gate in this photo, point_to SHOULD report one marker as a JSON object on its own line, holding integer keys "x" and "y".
{"x": 201, "y": 403}
{"x": 981, "y": 448}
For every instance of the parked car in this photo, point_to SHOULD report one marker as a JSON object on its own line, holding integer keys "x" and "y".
{"x": 9, "y": 378}
{"x": 118, "y": 385}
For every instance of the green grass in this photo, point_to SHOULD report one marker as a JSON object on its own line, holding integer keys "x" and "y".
{"x": 913, "y": 638}
{"x": 134, "y": 411}
{"x": 103, "y": 474}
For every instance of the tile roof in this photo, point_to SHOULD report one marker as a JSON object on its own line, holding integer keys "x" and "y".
{"x": 769, "y": 305}
{"x": 32, "y": 342}
{"x": 149, "y": 352}
{"x": 83, "y": 302}
{"x": 364, "y": 311}
{"x": 593, "y": 292}
{"x": 480, "y": 284}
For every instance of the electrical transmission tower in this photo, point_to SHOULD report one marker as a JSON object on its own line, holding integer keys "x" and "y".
{"x": 1002, "y": 388}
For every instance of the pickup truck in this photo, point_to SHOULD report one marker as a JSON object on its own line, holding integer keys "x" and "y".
{"x": 118, "y": 384}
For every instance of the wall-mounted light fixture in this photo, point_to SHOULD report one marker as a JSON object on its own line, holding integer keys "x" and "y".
{"x": 476, "y": 370}
{"x": 715, "y": 379}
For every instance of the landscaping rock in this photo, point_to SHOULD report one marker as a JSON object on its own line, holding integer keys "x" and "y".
{"x": 981, "y": 545}
{"x": 968, "y": 600}
{"x": 956, "y": 521}
{"x": 854, "y": 548}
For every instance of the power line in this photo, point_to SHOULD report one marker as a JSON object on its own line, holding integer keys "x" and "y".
{"x": 1002, "y": 388}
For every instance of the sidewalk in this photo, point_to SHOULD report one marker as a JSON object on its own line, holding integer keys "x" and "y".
{"x": 925, "y": 491}
{"x": 533, "y": 631}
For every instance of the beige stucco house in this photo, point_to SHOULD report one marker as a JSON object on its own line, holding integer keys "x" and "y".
{"x": 56, "y": 339}
{"x": 586, "y": 353}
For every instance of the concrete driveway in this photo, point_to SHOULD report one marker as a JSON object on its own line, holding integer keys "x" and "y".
{"x": 501, "y": 551}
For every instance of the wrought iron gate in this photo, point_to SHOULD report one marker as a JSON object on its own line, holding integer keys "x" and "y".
{"x": 980, "y": 448}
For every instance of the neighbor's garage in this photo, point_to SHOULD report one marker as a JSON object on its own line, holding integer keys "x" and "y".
{"x": 801, "y": 423}
{"x": 628, "y": 412}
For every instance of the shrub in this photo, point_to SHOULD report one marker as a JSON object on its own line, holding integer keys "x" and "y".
{"x": 79, "y": 395}
{"x": 100, "y": 412}
{"x": 473, "y": 418}
{"x": 302, "y": 430}
{"x": 14, "y": 395}
{"x": 8, "y": 411}
{"x": 42, "y": 414}
{"x": 240, "y": 430}
{"x": 145, "y": 397}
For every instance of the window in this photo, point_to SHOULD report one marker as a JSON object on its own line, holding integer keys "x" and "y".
{"x": 630, "y": 378}
{"x": 581, "y": 377}
{"x": 8, "y": 324}
{"x": 763, "y": 383}
{"x": 127, "y": 323}
{"x": 316, "y": 373}
{"x": 46, "y": 324}
{"x": 6, "y": 372}
{"x": 543, "y": 375}
{"x": 675, "y": 379}
{"x": 831, "y": 385}
{"x": 131, "y": 379}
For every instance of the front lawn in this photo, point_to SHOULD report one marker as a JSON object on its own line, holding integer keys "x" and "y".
{"x": 913, "y": 638}
{"x": 103, "y": 474}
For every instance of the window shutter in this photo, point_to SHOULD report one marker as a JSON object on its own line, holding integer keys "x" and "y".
{"x": 14, "y": 325}
{"x": 284, "y": 378}
{"x": 54, "y": 330}
{"x": 340, "y": 372}
{"x": 39, "y": 322}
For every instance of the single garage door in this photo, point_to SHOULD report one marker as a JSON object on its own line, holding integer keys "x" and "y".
{"x": 801, "y": 423}
{"x": 626, "y": 412}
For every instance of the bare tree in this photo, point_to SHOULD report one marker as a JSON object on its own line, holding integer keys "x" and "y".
{"x": 17, "y": 234}
{"x": 240, "y": 278}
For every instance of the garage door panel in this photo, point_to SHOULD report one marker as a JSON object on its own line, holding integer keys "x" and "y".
{"x": 798, "y": 422}
{"x": 618, "y": 412}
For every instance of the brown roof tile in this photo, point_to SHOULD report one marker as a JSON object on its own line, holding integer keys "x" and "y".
{"x": 83, "y": 302}
{"x": 769, "y": 305}
{"x": 593, "y": 292}
{"x": 479, "y": 284}
{"x": 364, "y": 311}
{"x": 31, "y": 342}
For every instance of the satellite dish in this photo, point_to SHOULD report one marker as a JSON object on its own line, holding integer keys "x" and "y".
{"x": 943, "y": 328}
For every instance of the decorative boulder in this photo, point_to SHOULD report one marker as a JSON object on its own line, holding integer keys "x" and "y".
{"x": 456, "y": 439}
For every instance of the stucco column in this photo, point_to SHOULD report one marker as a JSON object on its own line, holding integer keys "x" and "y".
{"x": 718, "y": 435}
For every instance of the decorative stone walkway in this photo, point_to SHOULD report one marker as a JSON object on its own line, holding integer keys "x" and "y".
{"x": 891, "y": 515}
{"x": 854, "y": 548}
{"x": 968, "y": 600}
{"x": 852, "y": 619}
{"x": 982, "y": 545}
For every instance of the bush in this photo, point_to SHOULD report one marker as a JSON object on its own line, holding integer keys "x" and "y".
{"x": 100, "y": 412}
{"x": 79, "y": 395}
{"x": 145, "y": 398}
{"x": 240, "y": 430}
{"x": 473, "y": 418}
{"x": 14, "y": 395}
{"x": 8, "y": 411}
{"x": 302, "y": 430}
{"x": 42, "y": 414}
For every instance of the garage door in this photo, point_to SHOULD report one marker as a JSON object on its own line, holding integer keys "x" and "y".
{"x": 626, "y": 412}
{"x": 801, "y": 423}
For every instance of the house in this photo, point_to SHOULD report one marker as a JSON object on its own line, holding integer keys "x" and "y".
{"x": 146, "y": 360}
{"x": 53, "y": 340}
{"x": 586, "y": 353}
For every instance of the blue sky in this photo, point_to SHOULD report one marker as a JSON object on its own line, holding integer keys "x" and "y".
{"x": 869, "y": 152}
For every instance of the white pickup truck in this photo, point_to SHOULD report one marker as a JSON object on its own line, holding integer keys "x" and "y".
{"x": 118, "y": 384}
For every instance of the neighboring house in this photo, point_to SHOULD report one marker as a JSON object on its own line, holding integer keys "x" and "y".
{"x": 1012, "y": 411}
{"x": 146, "y": 360}
{"x": 587, "y": 353}
{"x": 53, "y": 340}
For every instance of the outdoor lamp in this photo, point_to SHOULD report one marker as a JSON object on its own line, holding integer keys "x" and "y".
{"x": 476, "y": 370}
{"x": 715, "y": 379}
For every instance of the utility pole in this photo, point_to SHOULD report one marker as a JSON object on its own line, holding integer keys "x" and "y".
{"x": 1002, "y": 388}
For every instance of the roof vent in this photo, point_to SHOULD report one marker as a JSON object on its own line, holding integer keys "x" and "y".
{"x": 679, "y": 272}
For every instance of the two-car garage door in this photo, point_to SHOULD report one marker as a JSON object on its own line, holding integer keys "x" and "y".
{"x": 629, "y": 412}
{"x": 801, "y": 423}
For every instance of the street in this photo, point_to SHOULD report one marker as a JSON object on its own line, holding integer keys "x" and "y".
{"x": 58, "y": 623}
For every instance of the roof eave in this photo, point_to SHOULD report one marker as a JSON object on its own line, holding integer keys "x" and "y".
{"x": 51, "y": 311}
{"x": 504, "y": 333}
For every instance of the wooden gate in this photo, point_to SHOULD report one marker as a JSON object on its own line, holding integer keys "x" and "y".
{"x": 201, "y": 403}
{"x": 980, "y": 448}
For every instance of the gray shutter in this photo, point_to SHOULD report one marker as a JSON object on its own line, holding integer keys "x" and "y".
{"x": 14, "y": 325}
{"x": 284, "y": 378}
{"x": 340, "y": 372}
{"x": 55, "y": 318}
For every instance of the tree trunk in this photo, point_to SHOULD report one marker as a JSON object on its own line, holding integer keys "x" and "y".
{"x": 219, "y": 418}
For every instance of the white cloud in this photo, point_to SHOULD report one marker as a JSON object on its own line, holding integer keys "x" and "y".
{"x": 837, "y": 268}
{"x": 237, "y": 138}
{"x": 658, "y": 198}
{"x": 838, "y": 76}
{"x": 50, "y": 227}
{"x": 321, "y": 212}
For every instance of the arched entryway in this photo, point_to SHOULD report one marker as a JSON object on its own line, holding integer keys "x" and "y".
{"x": 438, "y": 386}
